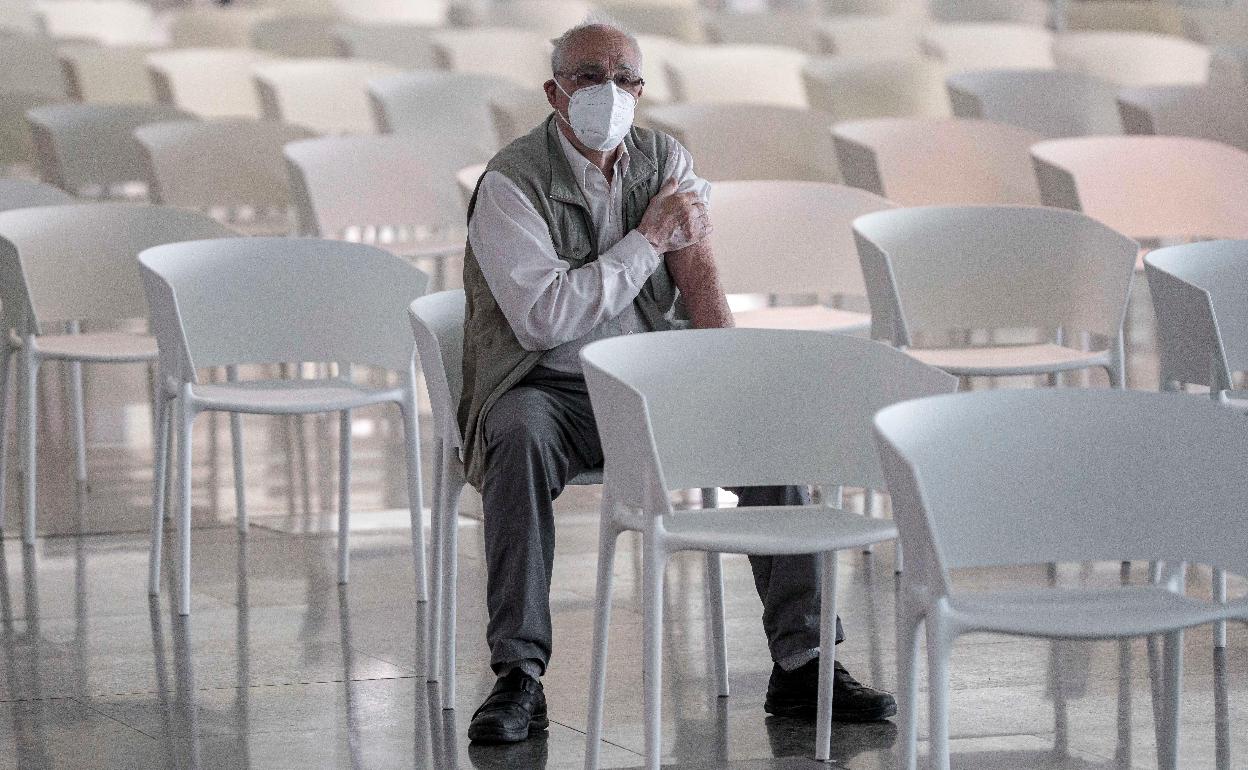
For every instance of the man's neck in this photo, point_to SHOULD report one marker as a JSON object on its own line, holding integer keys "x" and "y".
{"x": 604, "y": 161}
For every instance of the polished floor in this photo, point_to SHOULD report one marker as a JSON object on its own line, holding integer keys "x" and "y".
{"x": 279, "y": 667}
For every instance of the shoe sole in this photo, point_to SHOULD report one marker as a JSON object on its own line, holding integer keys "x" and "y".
{"x": 838, "y": 715}
{"x": 536, "y": 725}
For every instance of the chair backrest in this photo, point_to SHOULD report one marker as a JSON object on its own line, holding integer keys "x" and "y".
{"x": 279, "y": 300}
{"x": 869, "y": 36}
{"x": 427, "y": 13}
{"x": 30, "y": 64}
{"x": 329, "y": 96}
{"x": 789, "y": 28}
{"x": 989, "y": 45}
{"x": 516, "y": 114}
{"x": 18, "y": 16}
{"x": 227, "y": 163}
{"x": 77, "y": 260}
{"x": 16, "y": 144}
{"x": 111, "y": 22}
{"x": 86, "y": 145}
{"x": 1123, "y": 16}
{"x": 1199, "y": 293}
{"x": 925, "y": 161}
{"x": 548, "y": 18}
{"x": 302, "y": 35}
{"x": 1228, "y": 66}
{"x": 1133, "y": 58}
{"x": 755, "y": 74}
{"x": 783, "y": 237}
{"x": 23, "y": 194}
{"x": 520, "y": 55}
{"x": 438, "y": 325}
{"x": 380, "y": 189}
{"x": 448, "y": 108}
{"x": 1203, "y": 112}
{"x": 209, "y": 82}
{"x": 402, "y": 45}
{"x": 108, "y": 74}
{"x": 859, "y": 89}
{"x": 971, "y": 479}
{"x": 468, "y": 176}
{"x": 1148, "y": 186}
{"x": 1033, "y": 12}
{"x": 656, "y": 51}
{"x": 681, "y": 410}
{"x": 680, "y": 19}
{"x": 211, "y": 27}
{"x": 1215, "y": 25}
{"x": 787, "y": 143}
{"x": 933, "y": 269}
{"x": 1050, "y": 102}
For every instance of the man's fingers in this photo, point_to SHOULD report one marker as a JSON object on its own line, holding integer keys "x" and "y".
{"x": 668, "y": 188}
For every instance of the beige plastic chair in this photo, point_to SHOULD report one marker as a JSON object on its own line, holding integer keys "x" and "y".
{"x": 329, "y": 96}
{"x": 1228, "y": 67}
{"x": 89, "y": 149}
{"x": 468, "y": 176}
{"x": 426, "y": 13}
{"x": 1203, "y": 112}
{"x": 230, "y": 168}
{"x": 1216, "y": 25}
{"x": 520, "y": 55}
{"x": 17, "y": 147}
{"x": 25, "y": 193}
{"x": 792, "y": 240}
{"x": 941, "y": 269}
{"x": 111, "y": 22}
{"x": 868, "y": 36}
{"x": 19, "y": 16}
{"x": 919, "y": 162}
{"x": 548, "y": 18}
{"x": 656, "y": 52}
{"x": 403, "y": 45}
{"x": 57, "y": 267}
{"x": 788, "y": 28}
{"x": 738, "y": 74}
{"x": 1050, "y": 102}
{"x": 989, "y": 45}
{"x": 782, "y": 142}
{"x": 213, "y": 27}
{"x": 304, "y": 36}
{"x": 1148, "y": 187}
{"x": 1133, "y": 58}
{"x": 107, "y": 74}
{"x": 1162, "y": 18}
{"x": 30, "y": 64}
{"x": 1033, "y": 12}
{"x": 516, "y": 114}
{"x": 858, "y": 89}
{"x": 680, "y": 19}
{"x": 915, "y": 9}
{"x": 209, "y": 82}
{"x": 451, "y": 109}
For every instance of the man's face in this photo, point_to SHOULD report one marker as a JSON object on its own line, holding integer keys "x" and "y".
{"x": 595, "y": 57}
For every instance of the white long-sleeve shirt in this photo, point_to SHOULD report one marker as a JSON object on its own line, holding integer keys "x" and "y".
{"x": 550, "y": 306}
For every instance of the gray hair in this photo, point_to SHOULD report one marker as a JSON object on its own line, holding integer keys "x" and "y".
{"x": 592, "y": 21}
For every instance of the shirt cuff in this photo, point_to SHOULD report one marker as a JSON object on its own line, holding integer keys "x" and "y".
{"x": 635, "y": 256}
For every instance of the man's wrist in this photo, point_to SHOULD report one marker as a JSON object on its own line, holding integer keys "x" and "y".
{"x": 654, "y": 243}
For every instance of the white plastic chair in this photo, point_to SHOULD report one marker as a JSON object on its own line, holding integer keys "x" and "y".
{"x": 989, "y": 45}
{"x": 428, "y": 13}
{"x": 1204, "y": 112}
{"x": 755, "y": 74}
{"x": 972, "y": 483}
{"x": 296, "y": 35}
{"x": 787, "y": 143}
{"x": 939, "y": 269}
{"x": 1049, "y": 102}
{"x": 111, "y": 22}
{"x": 548, "y": 18}
{"x": 791, "y": 239}
{"x": 438, "y": 325}
{"x": 402, "y": 45}
{"x": 296, "y": 300}
{"x": 329, "y": 96}
{"x": 29, "y": 63}
{"x": 516, "y": 114}
{"x": 232, "y": 169}
{"x": 810, "y": 425}
{"x": 680, "y": 19}
{"x": 108, "y": 74}
{"x": 656, "y": 51}
{"x": 1122, "y": 16}
{"x": 1133, "y": 58}
{"x": 1148, "y": 187}
{"x": 57, "y": 267}
{"x": 925, "y": 161}
{"x": 1033, "y": 12}
{"x": 859, "y": 89}
{"x": 1215, "y": 25}
{"x": 450, "y": 109}
{"x": 25, "y": 193}
{"x": 869, "y": 36}
{"x": 89, "y": 149}
{"x": 916, "y": 9}
{"x": 214, "y": 27}
{"x": 795, "y": 28}
{"x": 520, "y": 55}
{"x": 19, "y": 16}
{"x": 468, "y": 176}
{"x": 209, "y": 82}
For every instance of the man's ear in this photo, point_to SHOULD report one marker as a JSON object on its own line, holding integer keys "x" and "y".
{"x": 551, "y": 90}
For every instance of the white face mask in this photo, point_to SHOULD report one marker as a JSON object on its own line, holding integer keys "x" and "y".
{"x": 600, "y": 115}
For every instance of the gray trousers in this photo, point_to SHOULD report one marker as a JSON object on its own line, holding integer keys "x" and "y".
{"x": 540, "y": 434}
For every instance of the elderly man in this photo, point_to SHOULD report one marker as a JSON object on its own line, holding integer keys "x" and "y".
{"x": 586, "y": 228}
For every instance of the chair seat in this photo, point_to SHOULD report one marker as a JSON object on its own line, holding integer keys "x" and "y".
{"x": 290, "y": 396}
{"x": 804, "y": 318}
{"x": 1235, "y": 399}
{"x": 1082, "y": 613}
{"x": 587, "y": 478}
{"x": 773, "y": 529}
{"x": 1002, "y": 360}
{"x": 99, "y": 347}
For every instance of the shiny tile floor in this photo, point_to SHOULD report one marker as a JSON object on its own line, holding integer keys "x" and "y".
{"x": 279, "y": 667}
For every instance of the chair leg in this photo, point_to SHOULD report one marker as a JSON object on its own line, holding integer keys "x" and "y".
{"x": 437, "y": 530}
{"x": 909, "y": 618}
{"x": 938, "y": 643}
{"x": 30, "y": 401}
{"x": 1168, "y": 742}
{"x": 827, "y": 655}
{"x": 160, "y": 468}
{"x": 6, "y": 357}
{"x": 411, "y": 436}
{"x": 344, "y": 496}
{"x": 80, "y": 422}
{"x": 452, "y": 488}
{"x": 236, "y": 450}
{"x": 654, "y": 559}
{"x": 715, "y": 602}
{"x": 1219, "y": 596}
{"x": 186, "y": 420}
{"x": 870, "y": 509}
{"x": 608, "y": 535}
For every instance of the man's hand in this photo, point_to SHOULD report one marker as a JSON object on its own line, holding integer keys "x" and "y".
{"x": 674, "y": 220}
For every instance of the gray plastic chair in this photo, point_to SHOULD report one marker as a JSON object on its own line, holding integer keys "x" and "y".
{"x": 850, "y": 88}
{"x": 402, "y": 45}
{"x": 788, "y": 28}
{"x": 295, "y": 35}
{"x": 108, "y": 74}
{"x": 238, "y": 301}
{"x": 24, "y": 194}
{"x": 939, "y": 269}
{"x": 1034, "y": 12}
{"x": 29, "y": 63}
{"x": 1202, "y": 112}
{"x": 1048, "y": 102}
{"x": 75, "y": 263}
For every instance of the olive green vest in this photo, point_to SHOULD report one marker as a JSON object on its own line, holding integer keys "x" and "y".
{"x": 494, "y": 360}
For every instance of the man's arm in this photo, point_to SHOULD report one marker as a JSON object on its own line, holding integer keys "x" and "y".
{"x": 694, "y": 271}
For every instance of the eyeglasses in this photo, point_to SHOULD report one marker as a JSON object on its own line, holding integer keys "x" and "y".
{"x": 596, "y": 77}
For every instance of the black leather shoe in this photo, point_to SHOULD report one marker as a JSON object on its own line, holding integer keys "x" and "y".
{"x": 796, "y": 693}
{"x": 516, "y": 706}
